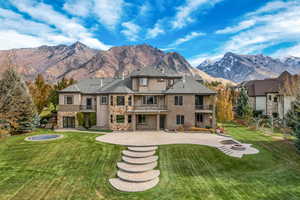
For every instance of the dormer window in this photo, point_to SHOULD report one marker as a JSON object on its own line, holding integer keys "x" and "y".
{"x": 143, "y": 81}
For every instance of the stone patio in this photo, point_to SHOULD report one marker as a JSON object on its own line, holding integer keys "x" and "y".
{"x": 144, "y": 139}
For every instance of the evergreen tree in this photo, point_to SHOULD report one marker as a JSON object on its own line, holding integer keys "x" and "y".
{"x": 16, "y": 105}
{"x": 293, "y": 120}
{"x": 244, "y": 109}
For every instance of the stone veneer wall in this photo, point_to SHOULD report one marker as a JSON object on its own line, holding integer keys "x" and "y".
{"x": 61, "y": 114}
{"x": 119, "y": 110}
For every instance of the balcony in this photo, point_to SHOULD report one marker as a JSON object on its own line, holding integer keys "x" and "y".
{"x": 205, "y": 108}
{"x": 88, "y": 108}
{"x": 149, "y": 108}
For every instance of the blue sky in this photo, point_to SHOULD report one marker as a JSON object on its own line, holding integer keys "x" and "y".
{"x": 197, "y": 29}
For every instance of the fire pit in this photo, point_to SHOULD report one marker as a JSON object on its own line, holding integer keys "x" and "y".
{"x": 238, "y": 147}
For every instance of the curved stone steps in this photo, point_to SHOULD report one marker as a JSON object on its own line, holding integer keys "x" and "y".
{"x": 138, "y": 177}
{"x": 133, "y": 154}
{"x": 126, "y": 186}
{"x": 136, "y": 168}
{"x": 139, "y": 161}
{"x": 142, "y": 149}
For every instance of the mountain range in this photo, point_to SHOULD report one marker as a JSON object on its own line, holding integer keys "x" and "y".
{"x": 78, "y": 61}
{"x": 238, "y": 68}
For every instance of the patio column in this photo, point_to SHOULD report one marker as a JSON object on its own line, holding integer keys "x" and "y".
{"x": 157, "y": 122}
{"x": 134, "y": 122}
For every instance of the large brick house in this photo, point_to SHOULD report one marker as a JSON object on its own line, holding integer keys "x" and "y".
{"x": 268, "y": 97}
{"x": 149, "y": 99}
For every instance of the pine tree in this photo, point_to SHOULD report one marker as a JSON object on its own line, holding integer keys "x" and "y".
{"x": 293, "y": 120}
{"x": 16, "y": 105}
{"x": 244, "y": 109}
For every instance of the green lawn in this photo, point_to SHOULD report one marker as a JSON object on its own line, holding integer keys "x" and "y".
{"x": 78, "y": 167}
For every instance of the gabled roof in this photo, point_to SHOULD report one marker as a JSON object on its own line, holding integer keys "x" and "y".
{"x": 189, "y": 85}
{"x": 262, "y": 87}
{"x": 119, "y": 86}
{"x": 154, "y": 72}
{"x": 89, "y": 86}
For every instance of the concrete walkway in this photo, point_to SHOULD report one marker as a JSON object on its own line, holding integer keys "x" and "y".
{"x": 152, "y": 138}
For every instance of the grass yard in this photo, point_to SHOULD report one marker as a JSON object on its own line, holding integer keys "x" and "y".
{"x": 78, "y": 167}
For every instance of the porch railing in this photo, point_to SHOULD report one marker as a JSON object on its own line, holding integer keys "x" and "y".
{"x": 87, "y": 107}
{"x": 204, "y": 107}
{"x": 150, "y": 107}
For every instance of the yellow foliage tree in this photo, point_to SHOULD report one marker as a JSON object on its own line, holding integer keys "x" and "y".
{"x": 224, "y": 105}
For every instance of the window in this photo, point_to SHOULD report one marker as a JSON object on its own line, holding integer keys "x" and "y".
{"x": 275, "y": 99}
{"x": 130, "y": 100}
{"x": 129, "y": 119}
{"x": 103, "y": 100}
{"x": 111, "y": 100}
{"x": 270, "y": 98}
{"x": 149, "y": 99}
{"x": 120, "y": 100}
{"x": 199, "y": 117}
{"x": 141, "y": 119}
{"x": 179, "y": 119}
{"x": 68, "y": 100}
{"x": 120, "y": 119}
{"x": 143, "y": 81}
{"x": 111, "y": 119}
{"x": 275, "y": 114}
{"x": 170, "y": 82}
{"x": 178, "y": 100}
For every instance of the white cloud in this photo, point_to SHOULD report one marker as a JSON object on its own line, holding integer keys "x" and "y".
{"x": 10, "y": 39}
{"x": 241, "y": 26}
{"x": 78, "y": 7}
{"x": 131, "y": 30}
{"x": 108, "y": 12}
{"x": 188, "y": 37}
{"x": 55, "y": 22}
{"x": 274, "y": 28}
{"x": 155, "y": 31}
{"x": 183, "y": 15}
{"x": 290, "y": 51}
{"x": 144, "y": 9}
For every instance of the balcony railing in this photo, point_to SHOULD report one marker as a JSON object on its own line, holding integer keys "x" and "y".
{"x": 150, "y": 107}
{"x": 204, "y": 107}
{"x": 88, "y": 107}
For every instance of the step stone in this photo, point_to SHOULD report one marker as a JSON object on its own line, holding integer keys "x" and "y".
{"x": 139, "y": 161}
{"x": 126, "y": 186}
{"x": 134, "y": 154}
{"x": 138, "y": 177}
{"x": 136, "y": 168}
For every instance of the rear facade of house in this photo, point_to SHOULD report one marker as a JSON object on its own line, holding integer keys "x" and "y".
{"x": 149, "y": 99}
{"x": 268, "y": 97}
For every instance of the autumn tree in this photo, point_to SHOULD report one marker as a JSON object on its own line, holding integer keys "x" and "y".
{"x": 16, "y": 105}
{"x": 224, "y": 105}
{"x": 244, "y": 109}
{"x": 60, "y": 85}
{"x": 40, "y": 91}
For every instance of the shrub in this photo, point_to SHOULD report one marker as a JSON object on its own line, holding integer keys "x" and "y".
{"x": 80, "y": 118}
{"x": 196, "y": 129}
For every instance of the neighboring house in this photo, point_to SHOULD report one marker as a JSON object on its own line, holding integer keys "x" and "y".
{"x": 268, "y": 95}
{"x": 149, "y": 99}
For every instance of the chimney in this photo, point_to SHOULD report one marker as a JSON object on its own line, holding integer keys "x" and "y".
{"x": 123, "y": 75}
{"x": 101, "y": 83}
{"x": 183, "y": 80}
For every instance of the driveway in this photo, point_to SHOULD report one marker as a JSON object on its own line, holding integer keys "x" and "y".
{"x": 152, "y": 138}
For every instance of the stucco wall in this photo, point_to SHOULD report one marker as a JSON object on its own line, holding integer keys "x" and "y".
{"x": 102, "y": 113}
{"x": 260, "y": 104}
{"x": 76, "y": 98}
